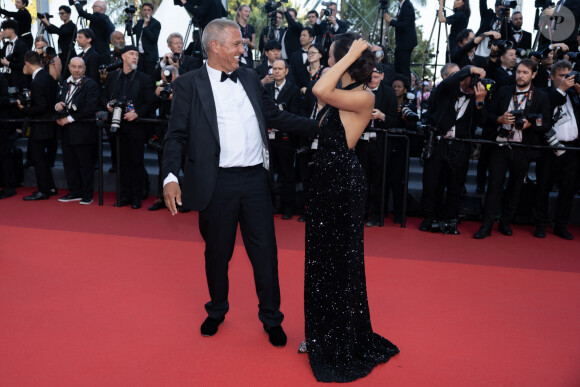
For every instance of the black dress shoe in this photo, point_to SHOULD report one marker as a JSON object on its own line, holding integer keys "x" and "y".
{"x": 136, "y": 204}
{"x": 276, "y": 336}
{"x": 287, "y": 214}
{"x": 505, "y": 228}
{"x": 562, "y": 232}
{"x": 372, "y": 223}
{"x": 484, "y": 231}
{"x": 426, "y": 224}
{"x": 52, "y": 192}
{"x": 36, "y": 196}
{"x": 7, "y": 192}
{"x": 157, "y": 205}
{"x": 540, "y": 231}
{"x": 302, "y": 219}
{"x": 210, "y": 326}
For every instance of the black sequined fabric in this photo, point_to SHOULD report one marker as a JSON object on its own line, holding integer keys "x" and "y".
{"x": 340, "y": 340}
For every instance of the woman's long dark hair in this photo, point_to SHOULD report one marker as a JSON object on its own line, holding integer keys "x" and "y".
{"x": 362, "y": 69}
{"x": 465, "y": 8}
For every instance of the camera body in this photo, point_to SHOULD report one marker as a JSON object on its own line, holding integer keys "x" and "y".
{"x": 42, "y": 15}
{"x": 544, "y": 4}
{"x": 488, "y": 83}
{"x": 501, "y": 44}
{"x": 119, "y": 108}
{"x": 509, "y": 3}
{"x": 519, "y": 118}
{"x": 81, "y": 2}
{"x": 271, "y": 6}
{"x": 110, "y": 67}
{"x": 165, "y": 93}
{"x": 15, "y": 95}
{"x": 130, "y": 9}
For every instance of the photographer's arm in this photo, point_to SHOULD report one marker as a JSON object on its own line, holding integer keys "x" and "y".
{"x": 151, "y": 32}
{"x": 85, "y": 14}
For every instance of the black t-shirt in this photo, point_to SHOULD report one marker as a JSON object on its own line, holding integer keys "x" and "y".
{"x": 458, "y": 22}
{"x": 247, "y": 33}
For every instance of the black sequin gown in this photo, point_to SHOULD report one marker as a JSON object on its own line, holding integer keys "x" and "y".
{"x": 340, "y": 340}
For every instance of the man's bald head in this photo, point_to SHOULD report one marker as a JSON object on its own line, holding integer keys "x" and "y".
{"x": 77, "y": 68}
{"x": 100, "y": 6}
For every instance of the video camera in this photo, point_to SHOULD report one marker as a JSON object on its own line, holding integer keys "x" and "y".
{"x": 15, "y": 95}
{"x": 42, "y": 15}
{"x": 81, "y": 2}
{"x": 110, "y": 67}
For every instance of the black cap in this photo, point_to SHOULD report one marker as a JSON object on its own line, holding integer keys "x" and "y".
{"x": 129, "y": 48}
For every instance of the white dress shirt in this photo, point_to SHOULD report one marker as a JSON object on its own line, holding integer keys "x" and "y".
{"x": 566, "y": 127}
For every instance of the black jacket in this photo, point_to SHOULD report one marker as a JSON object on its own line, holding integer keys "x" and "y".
{"x": 43, "y": 97}
{"x": 263, "y": 68}
{"x": 85, "y": 103}
{"x": 66, "y": 33}
{"x": 502, "y": 77}
{"x": 101, "y": 25}
{"x": 460, "y": 55}
{"x": 488, "y": 18}
{"x": 292, "y": 36}
{"x": 443, "y": 114}
{"x": 299, "y": 72}
{"x": 16, "y": 59}
{"x": 22, "y": 16}
{"x": 193, "y": 130}
{"x": 265, "y": 31}
{"x": 525, "y": 41}
{"x": 288, "y": 97}
{"x": 405, "y": 33}
{"x": 149, "y": 36}
{"x": 205, "y": 11}
{"x": 91, "y": 59}
{"x": 500, "y": 103}
{"x": 386, "y": 102}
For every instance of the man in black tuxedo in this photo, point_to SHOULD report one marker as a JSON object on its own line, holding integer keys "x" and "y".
{"x": 85, "y": 39}
{"x": 113, "y": 56}
{"x": 7, "y": 167}
{"x": 559, "y": 166}
{"x": 337, "y": 26}
{"x": 66, "y": 33}
{"x": 24, "y": 19}
{"x": 493, "y": 19}
{"x": 136, "y": 91}
{"x": 291, "y": 39}
{"x": 272, "y": 52}
{"x": 299, "y": 60}
{"x": 505, "y": 73}
{"x": 275, "y": 32}
{"x": 204, "y": 11}
{"x": 101, "y": 25}
{"x": 78, "y": 100}
{"x": 456, "y": 112}
{"x": 519, "y": 37}
{"x": 405, "y": 36}
{"x": 219, "y": 117}
{"x": 316, "y": 24}
{"x": 175, "y": 57}
{"x": 42, "y": 135}
{"x": 370, "y": 147}
{"x": 283, "y": 145}
{"x": 147, "y": 33}
{"x": 12, "y": 55}
{"x": 502, "y": 128}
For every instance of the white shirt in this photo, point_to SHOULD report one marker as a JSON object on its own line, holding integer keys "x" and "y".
{"x": 239, "y": 132}
{"x": 566, "y": 127}
{"x": 522, "y": 105}
{"x": 507, "y": 70}
{"x": 277, "y": 92}
{"x": 36, "y": 72}
{"x": 460, "y": 107}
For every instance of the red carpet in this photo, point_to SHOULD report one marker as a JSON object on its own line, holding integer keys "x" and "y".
{"x": 109, "y": 296}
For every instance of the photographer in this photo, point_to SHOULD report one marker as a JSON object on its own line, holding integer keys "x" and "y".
{"x": 370, "y": 148}
{"x": 559, "y": 166}
{"x": 521, "y": 114}
{"x": 405, "y": 36}
{"x": 457, "y": 111}
{"x": 545, "y": 58}
{"x": 130, "y": 94}
{"x": 147, "y": 32}
{"x": 204, "y": 11}
{"x": 458, "y": 21}
{"x": 24, "y": 20}
{"x": 50, "y": 62}
{"x": 42, "y": 135}
{"x": 85, "y": 39}
{"x": 7, "y": 167}
{"x": 504, "y": 74}
{"x": 66, "y": 32}
{"x": 272, "y": 52}
{"x": 520, "y": 38}
{"x": 464, "y": 54}
{"x": 491, "y": 20}
{"x": 283, "y": 145}
{"x": 78, "y": 100}
{"x": 164, "y": 93}
{"x": 291, "y": 39}
{"x": 100, "y": 25}
{"x": 272, "y": 32}
{"x": 12, "y": 55}
{"x": 111, "y": 60}
{"x": 337, "y": 26}
{"x": 315, "y": 23}
{"x": 299, "y": 60}
{"x": 175, "y": 57}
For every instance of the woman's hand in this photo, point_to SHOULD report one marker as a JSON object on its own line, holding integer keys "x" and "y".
{"x": 358, "y": 47}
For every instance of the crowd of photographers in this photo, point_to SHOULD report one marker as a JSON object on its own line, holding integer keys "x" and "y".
{"x": 492, "y": 80}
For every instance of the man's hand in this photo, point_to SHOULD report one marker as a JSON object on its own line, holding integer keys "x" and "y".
{"x": 131, "y": 116}
{"x": 478, "y": 70}
{"x": 59, "y": 106}
{"x": 388, "y": 17}
{"x": 527, "y": 124}
{"x": 146, "y": 20}
{"x": 548, "y": 12}
{"x": 19, "y": 104}
{"x": 494, "y": 34}
{"x": 377, "y": 115}
{"x": 172, "y": 195}
{"x": 267, "y": 79}
{"x": 62, "y": 121}
{"x": 563, "y": 46}
{"x": 109, "y": 108}
{"x": 480, "y": 92}
{"x": 171, "y": 62}
{"x": 4, "y": 62}
{"x": 158, "y": 90}
{"x": 567, "y": 83}
{"x": 332, "y": 20}
{"x": 507, "y": 118}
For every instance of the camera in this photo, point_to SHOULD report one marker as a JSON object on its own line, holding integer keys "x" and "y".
{"x": 407, "y": 111}
{"x": 544, "y": 4}
{"x": 271, "y": 6}
{"x": 502, "y": 45}
{"x": 542, "y": 54}
{"x": 576, "y": 75}
{"x": 165, "y": 93}
{"x": 42, "y": 15}
{"x": 155, "y": 144}
{"x": 488, "y": 83}
{"x": 130, "y": 9}
{"x": 551, "y": 139}
{"x": 81, "y": 2}
{"x": 110, "y": 67}
{"x": 519, "y": 118}
{"x": 119, "y": 108}
{"x": 508, "y": 3}
{"x": 65, "y": 112}
{"x": 15, "y": 95}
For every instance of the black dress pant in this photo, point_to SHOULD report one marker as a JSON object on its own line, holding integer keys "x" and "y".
{"x": 79, "y": 162}
{"x": 449, "y": 163}
{"x": 549, "y": 170}
{"x": 502, "y": 159}
{"x": 40, "y": 151}
{"x": 282, "y": 154}
{"x": 132, "y": 165}
{"x": 403, "y": 61}
{"x": 6, "y": 161}
{"x": 241, "y": 196}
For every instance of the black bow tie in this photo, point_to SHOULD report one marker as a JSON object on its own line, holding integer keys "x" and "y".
{"x": 233, "y": 76}
{"x": 71, "y": 83}
{"x": 304, "y": 52}
{"x": 462, "y": 94}
{"x": 10, "y": 43}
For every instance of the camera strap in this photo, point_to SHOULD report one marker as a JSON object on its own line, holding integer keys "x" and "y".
{"x": 528, "y": 97}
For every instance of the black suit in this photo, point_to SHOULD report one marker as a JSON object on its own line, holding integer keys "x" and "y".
{"x": 503, "y": 77}
{"x": 22, "y": 16}
{"x": 91, "y": 59}
{"x": 524, "y": 41}
{"x": 101, "y": 25}
{"x": 6, "y": 162}
{"x": 138, "y": 88}
{"x": 16, "y": 59}
{"x": 227, "y": 196}
{"x": 148, "y": 36}
{"x": 263, "y": 68}
{"x": 79, "y": 138}
{"x": 488, "y": 19}
{"x": 291, "y": 39}
{"x": 66, "y": 34}
{"x": 299, "y": 71}
{"x": 405, "y": 38}
{"x": 205, "y": 11}
{"x": 517, "y": 160}
{"x": 542, "y": 78}
{"x": 265, "y": 32}
{"x": 43, "y": 135}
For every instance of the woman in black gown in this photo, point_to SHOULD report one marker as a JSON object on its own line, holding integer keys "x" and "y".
{"x": 340, "y": 341}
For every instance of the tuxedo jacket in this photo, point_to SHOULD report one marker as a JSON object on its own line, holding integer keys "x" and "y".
{"x": 542, "y": 78}
{"x": 503, "y": 78}
{"x": 292, "y": 35}
{"x": 386, "y": 102}
{"x": 299, "y": 72}
{"x": 66, "y": 33}
{"x": 193, "y": 129}
{"x": 460, "y": 55}
{"x": 16, "y": 59}
{"x": 85, "y": 103}
{"x": 557, "y": 99}
{"x": 24, "y": 19}
{"x": 488, "y": 18}
{"x": 525, "y": 40}
{"x": 91, "y": 59}
{"x": 289, "y": 95}
{"x": 263, "y": 68}
{"x": 149, "y": 36}
{"x": 500, "y": 103}
{"x": 442, "y": 107}
{"x": 405, "y": 33}
{"x": 101, "y": 25}
{"x": 43, "y": 97}
{"x": 265, "y": 33}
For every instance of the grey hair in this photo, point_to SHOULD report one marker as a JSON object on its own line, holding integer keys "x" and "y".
{"x": 215, "y": 30}
{"x": 174, "y": 35}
